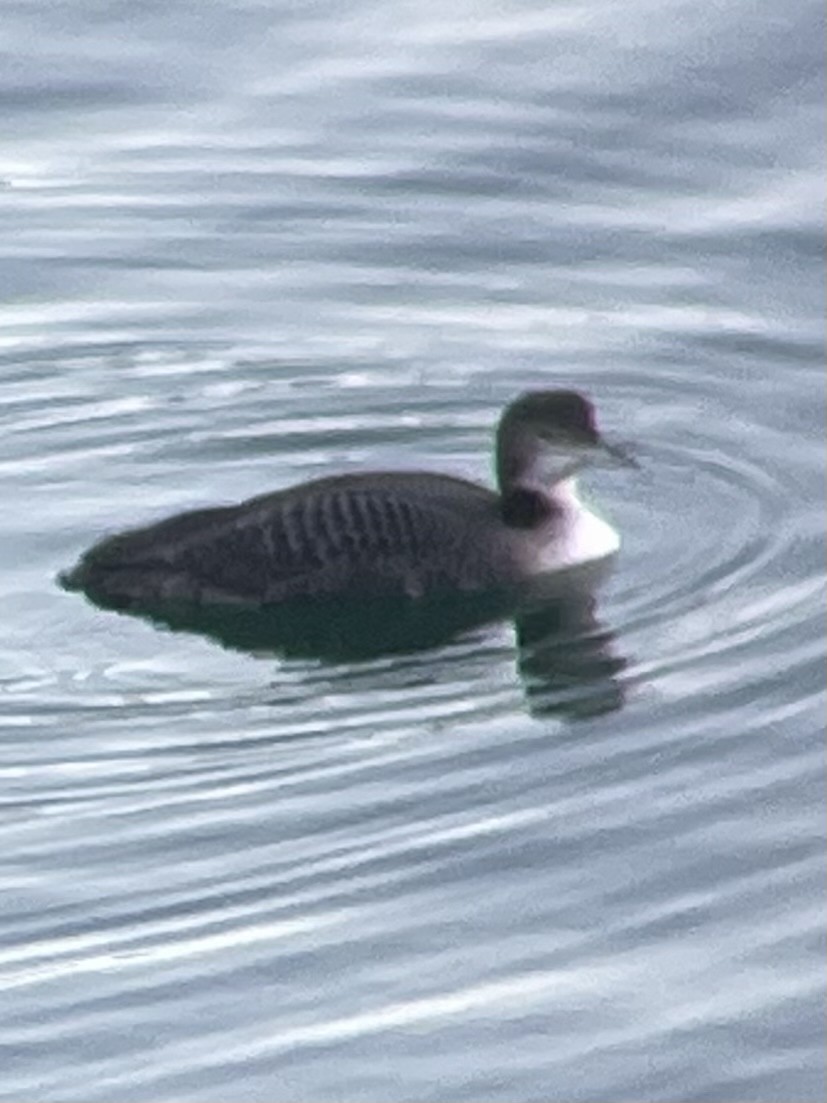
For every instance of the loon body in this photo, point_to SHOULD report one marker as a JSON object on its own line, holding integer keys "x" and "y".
{"x": 411, "y": 534}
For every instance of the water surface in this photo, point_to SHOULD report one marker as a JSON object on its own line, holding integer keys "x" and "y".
{"x": 242, "y": 245}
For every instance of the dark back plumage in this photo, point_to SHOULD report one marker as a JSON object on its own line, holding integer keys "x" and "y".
{"x": 387, "y": 532}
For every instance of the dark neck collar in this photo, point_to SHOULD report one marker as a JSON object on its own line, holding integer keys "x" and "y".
{"x": 523, "y": 507}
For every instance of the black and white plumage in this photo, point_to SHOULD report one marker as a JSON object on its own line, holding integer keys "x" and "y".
{"x": 378, "y": 533}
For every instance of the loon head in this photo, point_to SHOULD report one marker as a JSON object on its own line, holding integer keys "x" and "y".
{"x": 545, "y": 437}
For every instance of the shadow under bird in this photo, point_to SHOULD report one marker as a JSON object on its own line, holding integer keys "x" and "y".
{"x": 400, "y": 534}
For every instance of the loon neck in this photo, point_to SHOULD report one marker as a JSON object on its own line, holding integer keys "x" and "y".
{"x": 527, "y": 462}
{"x": 530, "y": 503}
{"x": 564, "y": 493}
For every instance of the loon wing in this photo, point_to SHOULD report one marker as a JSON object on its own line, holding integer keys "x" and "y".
{"x": 391, "y": 532}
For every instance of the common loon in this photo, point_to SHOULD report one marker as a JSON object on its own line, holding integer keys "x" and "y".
{"x": 399, "y": 533}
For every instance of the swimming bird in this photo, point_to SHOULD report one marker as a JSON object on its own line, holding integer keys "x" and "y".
{"x": 384, "y": 533}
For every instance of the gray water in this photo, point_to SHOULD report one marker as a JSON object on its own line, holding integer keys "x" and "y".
{"x": 243, "y": 244}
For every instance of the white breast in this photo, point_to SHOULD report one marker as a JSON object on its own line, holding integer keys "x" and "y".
{"x": 575, "y": 536}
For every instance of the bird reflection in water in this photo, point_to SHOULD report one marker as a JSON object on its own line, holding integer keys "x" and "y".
{"x": 566, "y": 658}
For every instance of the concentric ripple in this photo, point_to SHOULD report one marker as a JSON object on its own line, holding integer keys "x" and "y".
{"x": 711, "y": 535}
{"x": 572, "y": 859}
{"x": 214, "y": 822}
